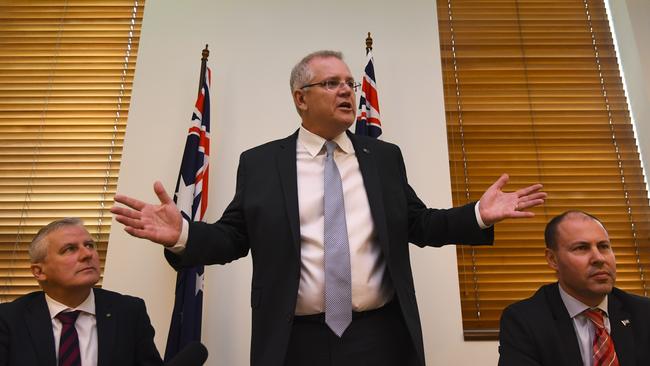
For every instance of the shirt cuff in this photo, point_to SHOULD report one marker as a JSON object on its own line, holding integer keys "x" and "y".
{"x": 480, "y": 222}
{"x": 179, "y": 247}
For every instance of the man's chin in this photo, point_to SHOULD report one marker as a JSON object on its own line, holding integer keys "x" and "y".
{"x": 347, "y": 122}
{"x": 88, "y": 278}
{"x": 602, "y": 289}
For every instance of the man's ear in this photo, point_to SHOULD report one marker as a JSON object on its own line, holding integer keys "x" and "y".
{"x": 37, "y": 271}
{"x": 551, "y": 258}
{"x": 299, "y": 100}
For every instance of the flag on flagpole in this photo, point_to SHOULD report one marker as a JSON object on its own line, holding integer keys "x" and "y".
{"x": 368, "y": 121}
{"x": 191, "y": 197}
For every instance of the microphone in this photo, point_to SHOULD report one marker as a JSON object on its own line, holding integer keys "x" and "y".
{"x": 194, "y": 354}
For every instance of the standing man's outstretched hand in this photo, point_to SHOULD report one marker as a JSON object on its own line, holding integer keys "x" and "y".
{"x": 159, "y": 223}
{"x": 497, "y": 205}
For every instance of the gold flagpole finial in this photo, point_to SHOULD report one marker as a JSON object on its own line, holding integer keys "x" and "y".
{"x": 205, "y": 53}
{"x": 204, "y": 61}
{"x": 368, "y": 43}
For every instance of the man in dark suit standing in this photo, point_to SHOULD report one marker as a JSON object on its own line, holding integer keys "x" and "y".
{"x": 314, "y": 303}
{"x": 582, "y": 319}
{"x": 70, "y": 323}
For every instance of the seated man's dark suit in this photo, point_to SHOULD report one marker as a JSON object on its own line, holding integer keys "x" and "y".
{"x": 539, "y": 331}
{"x": 263, "y": 218}
{"x": 124, "y": 332}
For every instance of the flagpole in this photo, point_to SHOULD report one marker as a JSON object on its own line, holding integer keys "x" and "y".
{"x": 191, "y": 197}
{"x": 204, "y": 60}
{"x": 368, "y": 122}
{"x": 368, "y": 43}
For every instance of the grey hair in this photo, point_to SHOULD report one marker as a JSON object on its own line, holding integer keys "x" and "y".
{"x": 38, "y": 246}
{"x": 301, "y": 73}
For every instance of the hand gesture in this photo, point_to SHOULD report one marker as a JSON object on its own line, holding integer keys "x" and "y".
{"x": 496, "y": 205}
{"x": 159, "y": 223}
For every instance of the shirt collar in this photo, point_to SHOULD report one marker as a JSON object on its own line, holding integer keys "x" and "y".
{"x": 576, "y": 307}
{"x": 314, "y": 143}
{"x": 87, "y": 306}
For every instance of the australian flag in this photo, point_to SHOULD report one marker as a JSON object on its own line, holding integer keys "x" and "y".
{"x": 191, "y": 197}
{"x": 368, "y": 122}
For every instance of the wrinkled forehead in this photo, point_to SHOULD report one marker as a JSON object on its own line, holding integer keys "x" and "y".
{"x": 68, "y": 234}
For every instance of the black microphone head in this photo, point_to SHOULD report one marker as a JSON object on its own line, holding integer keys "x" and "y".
{"x": 194, "y": 354}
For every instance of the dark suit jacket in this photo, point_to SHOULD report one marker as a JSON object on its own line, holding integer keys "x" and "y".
{"x": 538, "y": 330}
{"x": 263, "y": 218}
{"x": 124, "y": 332}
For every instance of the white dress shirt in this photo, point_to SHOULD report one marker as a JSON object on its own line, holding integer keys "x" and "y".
{"x": 86, "y": 326}
{"x": 585, "y": 329}
{"x": 370, "y": 288}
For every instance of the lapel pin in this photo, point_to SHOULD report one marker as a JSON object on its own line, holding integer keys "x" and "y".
{"x": 625, "y": 322}
{"x": 108, "y": 315}
{"x": 365, "y": 150}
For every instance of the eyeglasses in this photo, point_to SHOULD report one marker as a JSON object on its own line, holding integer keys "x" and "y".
{"x": 334, "y": 84}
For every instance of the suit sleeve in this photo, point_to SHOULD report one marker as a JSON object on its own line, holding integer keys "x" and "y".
{"x": 437, "y": 227}
{"x": 221, "y": 242}
{"x": 146, "y": 351}
{"x": 516, "y": 346}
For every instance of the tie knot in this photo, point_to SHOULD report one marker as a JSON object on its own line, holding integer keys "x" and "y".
{"x": 330, "y": 146}
{"x": 596, "y": 317}
{"x": 68, "y": 317}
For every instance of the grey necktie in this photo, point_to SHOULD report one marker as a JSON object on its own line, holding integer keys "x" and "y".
{"x": 338, "y": 289}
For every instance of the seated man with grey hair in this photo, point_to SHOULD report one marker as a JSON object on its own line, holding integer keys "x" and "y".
{"x": 70, "y": 322}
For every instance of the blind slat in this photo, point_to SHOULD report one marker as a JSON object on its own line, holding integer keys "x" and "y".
{"x": 533, "y": 89}
{"x": 66, "y": 73}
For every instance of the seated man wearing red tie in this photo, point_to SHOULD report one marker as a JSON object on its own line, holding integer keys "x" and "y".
{"x": 582, "y": 319}
{"x": 70, "y": 323}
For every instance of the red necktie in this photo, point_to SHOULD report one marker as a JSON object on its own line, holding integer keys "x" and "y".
{"x": 603, "y": 347}
{"x": 69, "y": 341}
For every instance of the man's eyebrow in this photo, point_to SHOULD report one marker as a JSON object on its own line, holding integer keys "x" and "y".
{"x": 64, "y": 246}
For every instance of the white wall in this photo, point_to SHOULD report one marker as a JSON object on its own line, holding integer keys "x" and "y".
{"x": 631, "y": 23}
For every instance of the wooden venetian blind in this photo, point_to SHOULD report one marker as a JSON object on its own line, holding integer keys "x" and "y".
{"x": 66, "y": 71}
{"x": 532, "y": 88}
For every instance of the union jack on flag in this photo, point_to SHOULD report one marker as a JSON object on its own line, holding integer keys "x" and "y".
{"x": 368, "y": 122}
{"x": 191, "y": 197}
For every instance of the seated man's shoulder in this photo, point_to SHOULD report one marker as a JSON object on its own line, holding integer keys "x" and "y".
{"x": 113, "y": 297}
{"x": 536, "y": 304}
{"x": 632, "y": 302}
{"x": 630, "y": 297}
{"x": 21, "y": 302}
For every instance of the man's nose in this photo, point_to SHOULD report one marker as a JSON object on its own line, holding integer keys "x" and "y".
{"x": 596, "y": 255}
{"x": 344, "y": 89}
{"x": 85, "y": 253}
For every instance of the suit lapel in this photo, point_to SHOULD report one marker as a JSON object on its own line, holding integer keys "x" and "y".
{"x": 568, "y": 339}
{"x": 372, "y": 183}
{"x": 105, "y": 328}
{"x": 39, "y": 326}
{"x": 286, "y": 160}
{"x": 622, "y": 331}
